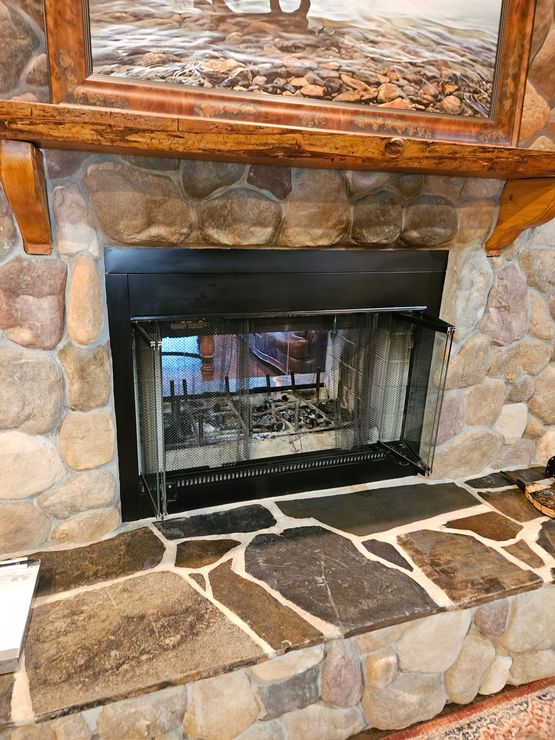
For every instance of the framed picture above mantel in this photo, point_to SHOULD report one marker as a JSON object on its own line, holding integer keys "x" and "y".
{"x": 430, "y": 69}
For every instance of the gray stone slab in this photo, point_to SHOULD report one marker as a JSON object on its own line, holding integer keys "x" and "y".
{"x": 368, "y": 512}
{"x": 242, "y": 519}
{"x": 325, "y": 574}
{"x": 388, "y": 552}
{"x": 497, "y": 480}
{"x": 546, "y": 537}
{"x": 118, "y": 640}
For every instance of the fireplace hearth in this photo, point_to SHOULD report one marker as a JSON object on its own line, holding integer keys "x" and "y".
{"x": 246, "y": 373}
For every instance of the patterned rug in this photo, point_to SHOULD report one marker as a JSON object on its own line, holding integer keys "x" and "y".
{"x": 524, "y": 713}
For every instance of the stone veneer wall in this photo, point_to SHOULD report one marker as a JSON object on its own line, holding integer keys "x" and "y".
{"x": 58, "y": 467}
{"x": 23, "y": 61}
{"x": 387, "y": 679}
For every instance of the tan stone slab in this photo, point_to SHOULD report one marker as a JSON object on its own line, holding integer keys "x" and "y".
{"x": 198, "y": 553}
{"x": 525, "y": 553}
{"x": 491, "y": 525}
{"x": 113, "y": 642}
{"x": 512, "y": 502}
{"x": 275, "y": 623}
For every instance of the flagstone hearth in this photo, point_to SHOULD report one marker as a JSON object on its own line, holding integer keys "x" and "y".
{"x": 175, "y": 602}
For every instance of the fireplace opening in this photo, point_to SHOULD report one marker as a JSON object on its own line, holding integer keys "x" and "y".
{"x": 238, "y": 378}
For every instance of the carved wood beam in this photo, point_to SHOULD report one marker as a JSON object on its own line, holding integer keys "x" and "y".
{"x": 524, "y": 203}
{"x": 22, "y": 175}
{"x": 93, "y": 128}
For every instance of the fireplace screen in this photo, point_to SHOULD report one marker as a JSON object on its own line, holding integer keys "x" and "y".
{"x": 227, "y": 399}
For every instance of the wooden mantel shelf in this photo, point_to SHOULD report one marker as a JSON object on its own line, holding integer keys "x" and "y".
{"x": 93, "y": 128}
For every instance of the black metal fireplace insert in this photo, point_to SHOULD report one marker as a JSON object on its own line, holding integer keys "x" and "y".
{"x": 241, "y": 374}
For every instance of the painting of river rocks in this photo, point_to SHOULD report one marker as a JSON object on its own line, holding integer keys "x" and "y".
{"x": 419, "y": 55}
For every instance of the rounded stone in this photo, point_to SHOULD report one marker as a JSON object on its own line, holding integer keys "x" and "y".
{"x": 318, "y": 210}
{"x": 9, "y": 235}
{"x": 380, "y": 668}
{"x": 491, "y": 619}
{"x": 476, "y": 219}
{"x": 17, "y": 43}
{"x": 75, "y": 231}
{"x": 319, "y": 722}
{"x": 341, "y": 677}
{"x": 467, "y": 284}
{"x": 541, "y": 323}
{"x": 85, "y": 313}
{"x": 81, "y": 492}
{"x": 507, "y": 311}
{"x": 408, "y": 185}
{"x": 239, "y": 217}
{"x": 429, "y": 221}
{"x": 467, "y": 454}
{"x": 410, "y": 698}
{"x": 545, "y": 447}
{"x": 88, "y": 376}
{"x": 463, "y": 678}
{"x": 496, "y": 676}
{"x": 470, "y": 364}
{"x": 23, "y": 527}
{"x": 366, "y": 181}
{"x": 527, "y": 357}
{"x": 512, "y": 422}
{"x": 286, "y": 666}
{"x": 532, "y": 667}
{"x": 86, "y": 527}
{"x": 521, "y": 389}
{"x": 433, "y": 643}
{"x": 377, "y": 218}
{"x": 535, "y": 113}
{"x": 276, "y": 180}
{"x": 452, "y": 417}
{"x": 31, "y": 391}
{"x": 134, "y": 206}
{"x": 370, "y": 642}
{"x": 542, "y": 403}
{"x": 539, "y": 264}
{"x": 221, "y": 707}
{"x": 37, "y": 72}
{"x": 531, "y": 625}
{"x": 448, "y": 187}
{"x": 28, "y": 465}
{"x": 200, "y": 179}
{"x": 484, "y": 402}
{"x": 32, "y": 301}
{"x": 520, "y": 453}
{"x": 87, "y": 440}
{"x": 149, "y": 715}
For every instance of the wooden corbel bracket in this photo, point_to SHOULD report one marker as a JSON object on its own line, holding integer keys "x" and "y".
{"x": 524, "y": 203}
{"x": 22, "y": 176}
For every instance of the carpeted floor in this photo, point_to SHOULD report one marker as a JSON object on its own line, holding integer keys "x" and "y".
{"x": 523, "y": 713}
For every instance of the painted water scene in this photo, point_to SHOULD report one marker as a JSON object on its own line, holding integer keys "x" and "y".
{"x": 422, "y": 55}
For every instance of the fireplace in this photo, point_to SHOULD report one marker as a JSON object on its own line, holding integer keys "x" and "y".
{"x": 245, "y": 373}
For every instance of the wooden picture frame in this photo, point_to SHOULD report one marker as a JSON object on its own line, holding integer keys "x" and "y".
{"x": 72, "y": 82}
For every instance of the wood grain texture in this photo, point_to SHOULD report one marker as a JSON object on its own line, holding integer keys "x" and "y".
{"x": 71, "y": 67}
{"x": 22, "y": 175}
{"x": 524, "y": 203}
{"x": 127, "y": 132}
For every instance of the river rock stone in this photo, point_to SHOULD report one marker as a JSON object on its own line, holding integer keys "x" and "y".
{"x": 542, "y": 403}
{"x": 521, "y": 389}
{"x": 476, "y": 219}
{"x": 365, "y": 181}
{"x": 541, "y": 323}
{"x": 287, "y": 665}
{"x": 535, "y": 112}
{"x": 496, "y": 676}
{"x": 136, "y": 207}
{"x": 74, "y": 227}
{"x": 491, "y": 619}
{"x": 239, "y": 217}
{"x": 318, "y": 210}
{"x": 85, "y": 313}
{"x": 23, "y": 527}
{"x": 88, "y": 376}
{"x": 408, "y": 185}
{"x": 292, "y": 693}
{"x": 539, "y": 264}
{"x": 432, "y": 644}
{"x": 86, "y": 527}
{"x": 63, "y": 162}
{"x": 32, "y": 300}
{"x": 519, "y": 453}
{"x": 319, "y": 722}
{"x": 381, "y": 668}
{"x": 276, "y": 180}
{"x": 377, "y": 218}
{"x": 512, "y": 422}
{"x": 507, "y": 312}
{"x": 370, "y": 642}
{"x": 200, "y": 179}
{"x": 467, "y": 286}
{"x": 87, "y": 441}
{"x": 545, "y": 447}
{"x": 471, "y": 363}
{"x": 527, "y": 357}
{"x": 452, "y": 418}
{"x": 541, "y": 70}
{"x": 463, "y": 678}
{"x": 449, "y": 187}
{"x": 265, "y": 730}
{"x": 467, "y": 454}
{"x": 31, "y": 391}
{"x": 429, "y": 221}
{"x": 484, "y": 402}
{"x": 9, "y": 235}
{"x": 95, "y": 489}
{"x": 479, "y": 187}
{"x": 221, "y": 707}
{"x": 531, "y": 625}
{"x": 341, "y": 676}
{"x": 151, "y": 715}
{"x": 28, "y": 465}
{"x": 17, "y": 44}
{"x": 530, "y": 667}
{"x": 412, "y": 697}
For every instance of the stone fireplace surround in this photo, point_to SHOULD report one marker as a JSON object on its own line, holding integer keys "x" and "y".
{"x": 58, "y": 458}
